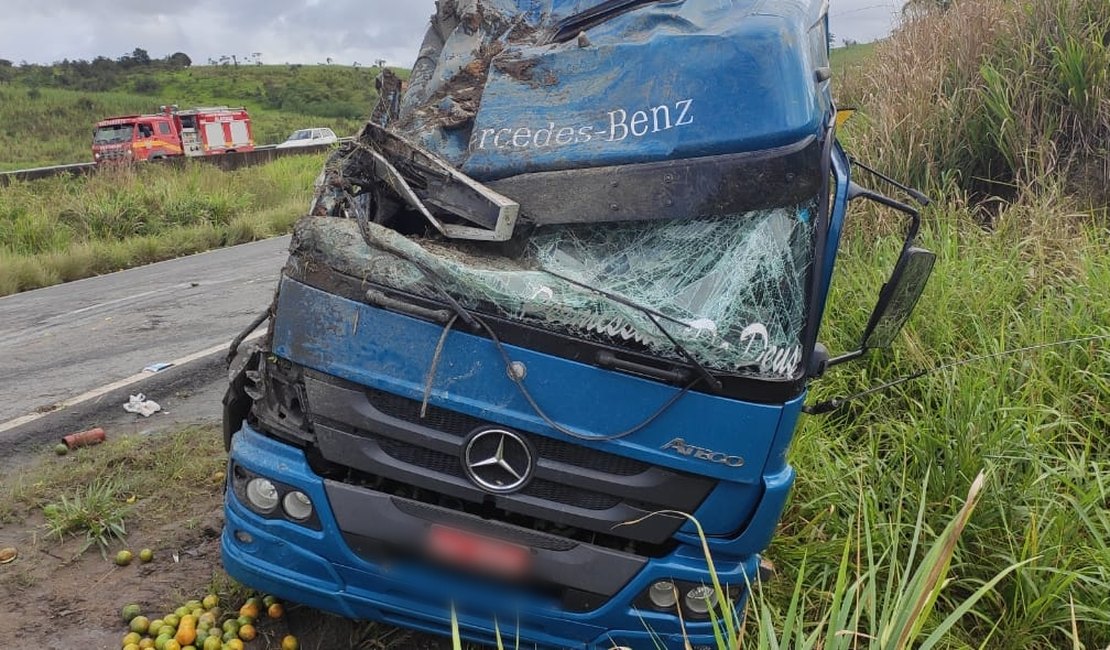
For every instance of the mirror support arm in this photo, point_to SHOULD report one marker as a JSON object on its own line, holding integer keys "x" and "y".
{"x": 856, "y": 191}
{"x": 845, "y": 358}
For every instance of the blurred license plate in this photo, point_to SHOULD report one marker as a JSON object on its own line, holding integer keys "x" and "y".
{"x": 484, "y": 554}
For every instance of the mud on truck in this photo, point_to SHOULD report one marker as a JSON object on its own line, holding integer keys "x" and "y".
{"x": 573, "y": 276}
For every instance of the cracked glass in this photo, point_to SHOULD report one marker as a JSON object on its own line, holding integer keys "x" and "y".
{"x": 731, "y": 290}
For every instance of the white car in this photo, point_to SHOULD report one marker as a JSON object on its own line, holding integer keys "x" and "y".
{"x": 309, "y": 138}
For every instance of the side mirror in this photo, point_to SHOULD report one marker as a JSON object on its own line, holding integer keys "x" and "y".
{"x": 897, "y": 300}
{"x": 898, "y": 297}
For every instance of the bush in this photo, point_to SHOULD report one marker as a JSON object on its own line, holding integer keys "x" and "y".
{"x": 992, "y": 95}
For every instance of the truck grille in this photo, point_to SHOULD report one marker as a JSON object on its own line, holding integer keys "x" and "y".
{"x": 461, "y": 424}
{"x": 381, "y": 435}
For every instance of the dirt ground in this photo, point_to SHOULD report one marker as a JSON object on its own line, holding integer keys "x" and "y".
{"x": 53, "y": 596}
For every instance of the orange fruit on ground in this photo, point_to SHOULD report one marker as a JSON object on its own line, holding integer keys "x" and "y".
{"x": 250, "y": 610}
{"x": 247, "y": 633}
{"x": 235, "y": 644}
{"x": 186, "y": 634}
{"x": 290, "y": 642}
{"x": 171, "y": 645}
{"x": 275, "y": 611}
{"x": 210, "y": 601}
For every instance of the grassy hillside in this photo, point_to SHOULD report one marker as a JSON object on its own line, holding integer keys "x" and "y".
{"x": 47, "y": 113}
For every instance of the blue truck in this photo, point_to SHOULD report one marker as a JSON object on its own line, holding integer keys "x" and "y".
{"x": 566, "y": 283}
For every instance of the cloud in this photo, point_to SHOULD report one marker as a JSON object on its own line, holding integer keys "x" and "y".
{"x": 294, "y": 31}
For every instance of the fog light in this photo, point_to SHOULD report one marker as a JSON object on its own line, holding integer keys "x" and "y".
{"x": 243, "y": 537}
{"x": 262, "y": 494}
{"x": 297, "y": 505}
{"x": 662, "y": 594}
{"x": 700, "y": 600}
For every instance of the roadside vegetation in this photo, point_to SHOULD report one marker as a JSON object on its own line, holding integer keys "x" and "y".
{"x": 68, "y": 228}
{"x": 47, "y": 112}
{"x": 1001, "y": 112}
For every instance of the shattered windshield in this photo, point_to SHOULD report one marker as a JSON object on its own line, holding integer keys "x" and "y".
{"x": 731, "y": 290}
{"x": 113, "y": 134}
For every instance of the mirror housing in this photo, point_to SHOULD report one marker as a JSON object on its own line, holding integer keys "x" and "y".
{"x": 898, "y": 297}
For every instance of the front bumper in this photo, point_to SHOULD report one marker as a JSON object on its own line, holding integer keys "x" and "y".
{"x": 322, "y": 568}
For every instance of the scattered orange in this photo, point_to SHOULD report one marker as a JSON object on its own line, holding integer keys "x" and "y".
{"x": 186, "y": 634}
{"x": 275, "y": 611}
{"x": 247, "y": 633}
{"x": 249, "y": 610}
{"x": 290, "y": 643}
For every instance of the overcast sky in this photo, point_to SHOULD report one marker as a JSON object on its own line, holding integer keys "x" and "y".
{"x": 284, "y": 31}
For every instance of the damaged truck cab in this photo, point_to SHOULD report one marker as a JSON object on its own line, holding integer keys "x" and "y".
{"x": 566, "y": 286}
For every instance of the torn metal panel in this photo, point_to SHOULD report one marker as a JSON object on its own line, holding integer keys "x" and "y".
{"x": 730, "y": 289}
{"x": 662, "y": 110}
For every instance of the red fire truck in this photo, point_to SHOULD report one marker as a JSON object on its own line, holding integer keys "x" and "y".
{"x": 173, "y": 132}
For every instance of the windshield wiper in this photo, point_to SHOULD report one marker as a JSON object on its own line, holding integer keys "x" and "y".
{"x": 583, "y": 20}
{"x": 653, "y": 315}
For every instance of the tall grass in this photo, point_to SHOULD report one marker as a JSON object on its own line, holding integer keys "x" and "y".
{"x": 993, "y": 95}
{"x": 67, "y": 228}
{"x": 1035, "y": 421}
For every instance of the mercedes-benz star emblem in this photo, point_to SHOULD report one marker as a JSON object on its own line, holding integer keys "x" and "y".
{"x": 498, "y": 460}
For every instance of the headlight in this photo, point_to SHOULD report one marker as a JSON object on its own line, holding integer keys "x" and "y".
{"x": 700, "y": 600}
{"x": 262, "y": 494}
{"x": 663, "y": 594}
{"x": 297, "y": 505}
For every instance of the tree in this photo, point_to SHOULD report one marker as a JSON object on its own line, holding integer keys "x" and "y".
{"x": 139, "y": 56}
{"x": 179, "y": 60}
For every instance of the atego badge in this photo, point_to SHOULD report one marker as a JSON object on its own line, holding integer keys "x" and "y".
{"x": 680, "y": 446}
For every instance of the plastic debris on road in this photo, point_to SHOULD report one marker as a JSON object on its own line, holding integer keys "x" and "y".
{"x": 141, "y": 405}
{"x": 158, "y": 367}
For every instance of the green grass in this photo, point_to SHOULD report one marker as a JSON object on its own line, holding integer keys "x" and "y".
{"x": 1035, "y": 422}
{"x": 162, "y": 472}
{"x": 67, "y": 228}
{"x": 98, "y": 511}
{"x": 851, "y": 57}
{"x": 44, "y": 120}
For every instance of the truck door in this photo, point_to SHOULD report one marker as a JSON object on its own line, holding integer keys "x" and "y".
{"x": 213, "y": 136}
{"x": 144, "y": 140}
{"x": 240, "y": 135}
{"x": 190, "y": 140}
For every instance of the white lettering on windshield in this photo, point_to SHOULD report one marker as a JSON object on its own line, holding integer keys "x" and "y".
{"x": 771, "y": 358}
{"x": 618, "y": 125}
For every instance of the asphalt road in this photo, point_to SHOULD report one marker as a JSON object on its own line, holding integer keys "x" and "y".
{"x": 60, "y": 342}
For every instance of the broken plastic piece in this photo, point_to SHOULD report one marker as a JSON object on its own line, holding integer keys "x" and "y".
{"x": 428, "y": 183}
{"x": 141, "y": 405}
{"x": 158, "y": 367}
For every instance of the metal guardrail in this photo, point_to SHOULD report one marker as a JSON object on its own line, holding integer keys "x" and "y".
{"x": 261, "y": 155}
